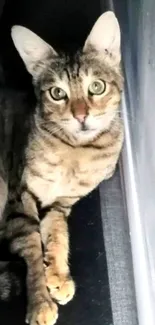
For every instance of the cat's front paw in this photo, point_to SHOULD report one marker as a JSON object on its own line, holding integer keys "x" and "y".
{"x": 43, "y": 313}
{"x": 61, "y": 287}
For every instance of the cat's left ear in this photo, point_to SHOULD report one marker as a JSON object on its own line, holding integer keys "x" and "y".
{"x": 32, "y": 49}
{"x": 105, "y": 36}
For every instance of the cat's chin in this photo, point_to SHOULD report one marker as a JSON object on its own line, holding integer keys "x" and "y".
{"x": 81, "y": 136}
{"x": 86, "y": 136}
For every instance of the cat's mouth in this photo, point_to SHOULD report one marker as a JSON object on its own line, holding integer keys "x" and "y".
{"x": 77, "y": 128}
{"x": 85, "y": 129}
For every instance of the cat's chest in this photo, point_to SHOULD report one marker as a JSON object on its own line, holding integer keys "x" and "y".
{"x": 71, "y": 173}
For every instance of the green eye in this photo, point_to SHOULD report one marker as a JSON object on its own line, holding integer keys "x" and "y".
{"x": 97, "y": 87}
{"x": 58, "y": 93}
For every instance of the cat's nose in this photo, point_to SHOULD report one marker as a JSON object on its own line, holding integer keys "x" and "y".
{"x": 79, "y": 110}
{"x": 81, "y": 117}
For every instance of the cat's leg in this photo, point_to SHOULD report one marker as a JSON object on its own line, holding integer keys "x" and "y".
{"x": 23, "y": 233}
{"x": 55, "y": 236}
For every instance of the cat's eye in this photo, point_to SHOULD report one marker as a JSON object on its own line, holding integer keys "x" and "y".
{"x": 58, "y": 93}
{"x": 97, "y": 87}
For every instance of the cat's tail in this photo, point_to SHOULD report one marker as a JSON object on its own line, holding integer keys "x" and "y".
{"x": 12, "y": 278}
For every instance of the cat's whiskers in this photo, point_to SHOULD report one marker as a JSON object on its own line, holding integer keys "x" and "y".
{"x": 51, "y": 128}
{"x": 130, "y": 118}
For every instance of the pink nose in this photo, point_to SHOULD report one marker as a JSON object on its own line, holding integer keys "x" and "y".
{"x": 80, "y": 118}
{"x": 79, "y": 110}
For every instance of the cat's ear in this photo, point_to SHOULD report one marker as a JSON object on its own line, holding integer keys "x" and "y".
{"x": 105, "y": 36}
{"x": 32, "y": 48}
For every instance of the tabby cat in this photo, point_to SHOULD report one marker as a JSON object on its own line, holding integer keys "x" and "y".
{"x": 55, "y": 152}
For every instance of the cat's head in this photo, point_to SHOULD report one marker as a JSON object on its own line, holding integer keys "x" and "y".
{"x": 77, "y": 98}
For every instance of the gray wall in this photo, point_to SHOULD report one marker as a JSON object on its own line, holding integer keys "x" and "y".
{"x": 137, "y": 19}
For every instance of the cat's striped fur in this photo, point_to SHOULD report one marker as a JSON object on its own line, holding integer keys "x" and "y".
{"x": 57, "y": 152}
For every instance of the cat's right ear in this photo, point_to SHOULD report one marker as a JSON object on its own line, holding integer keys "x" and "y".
{"x": 105, "y": 36}
{"x": 32, "y": 49}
